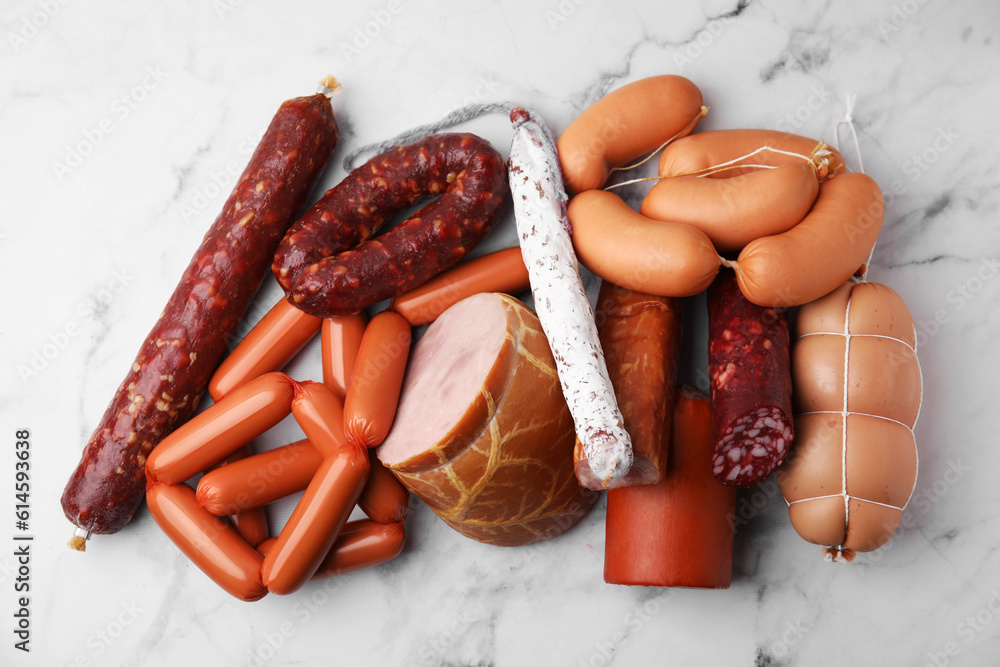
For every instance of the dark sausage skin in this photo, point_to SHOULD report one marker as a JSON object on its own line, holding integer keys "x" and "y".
{"x": 750, "y": 372}
{"x": 641, "y": 338}
{"x": 181, "y": 352}
{"x": 328, "y": 263}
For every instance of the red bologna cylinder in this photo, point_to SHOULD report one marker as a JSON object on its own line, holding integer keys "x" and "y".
{"x": 211, "y": 544}
{"x": 259, "y": 479}
{"x": 316, "y": 521}
{"x": 238, "y": 418}
{"x": 370, "y": 404}
{"x": 271, "y": 344}
{"x": 678, "y": 532}
{"x": 384, "y": 499}
{"x": 341, "y": 339}
{"x": 363, "y": 543}
{"x": 320, "y": 413}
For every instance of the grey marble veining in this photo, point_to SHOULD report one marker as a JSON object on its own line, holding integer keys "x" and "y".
{"x": 121, "y": 124}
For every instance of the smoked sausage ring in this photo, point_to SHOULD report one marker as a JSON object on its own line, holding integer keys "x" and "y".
{"x": 328, "y": 264}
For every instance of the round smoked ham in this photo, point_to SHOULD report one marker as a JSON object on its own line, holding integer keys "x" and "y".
{"x": 482, "y": 433}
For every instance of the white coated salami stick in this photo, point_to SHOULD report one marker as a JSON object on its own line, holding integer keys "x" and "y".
{"x": 567, "y": 319}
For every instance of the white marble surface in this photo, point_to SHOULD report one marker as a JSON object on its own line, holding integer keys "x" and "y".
{"x": 149, "y": 104}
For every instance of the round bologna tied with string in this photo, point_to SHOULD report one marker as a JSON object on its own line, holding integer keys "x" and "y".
{"x": 857, "y": 395}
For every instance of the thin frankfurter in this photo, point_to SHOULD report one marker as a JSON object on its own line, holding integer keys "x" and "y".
{"x": 220, "y": 430}
{"x": 341, "y": 339}
{"x": 320, "y": 413}
{"x": 370, "y": 404}
{"x": 640, "y": 254}
{"x": 384, "y": 498}
{"x": 211, "y": 544}
{"x": 735, "y": 211}
{"x": 249, "y": 522}
{"x": 361, "y": 544}
{"x": 625, "y": 124}
{"x": 271, "y": 344}
{"x": 252, "y": 525}
{"x": 316, "y": 521}
{"x": 500, "y": 271}
{"x": 259, "y": 479}
{"x": 817, "y": 255}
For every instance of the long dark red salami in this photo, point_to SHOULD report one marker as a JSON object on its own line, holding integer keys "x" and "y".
{"x": 749, "y": 368}
{"x": 327, "y": 262}
{"x": 181, "y": 352}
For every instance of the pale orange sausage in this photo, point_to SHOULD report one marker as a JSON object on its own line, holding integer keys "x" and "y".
{"x": 220, "y": 430}
{"x": 259, "y": 479}
{"x": 500, "y": 271}
{"x": 320, "y": 413}
{"x": 341, "y": 338}
{"x": 316, "y": 521}
{"x": 362, "y": 543}
{"x": 632, "y": 251}
{"x": 211, "y": 544}
{"x": 858, "y": 390}
{"x": 270, "y": 345}
{"x": 817, "y": 255}
{"x": 705, "y": 150}
{"x": 625, "y": 124}
{"x": 734, "y": 211}
{"x": 370, "y": 404}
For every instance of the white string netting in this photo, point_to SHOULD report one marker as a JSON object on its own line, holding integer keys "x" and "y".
{"x": 839, "y": 554}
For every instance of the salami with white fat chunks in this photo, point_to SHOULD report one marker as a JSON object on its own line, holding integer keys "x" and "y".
{"x": 751, "y": 383}
{"x": 177, "y": 359}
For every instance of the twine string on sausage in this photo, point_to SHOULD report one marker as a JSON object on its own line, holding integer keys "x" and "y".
{"x": 850, "y": 99}
{"x": 329, "y": 87}
{"x": 819, "y": 157}
{"x": 839, "y": 553}
{"x": 683, "y": 132}
{"x": 456, "y": 117}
